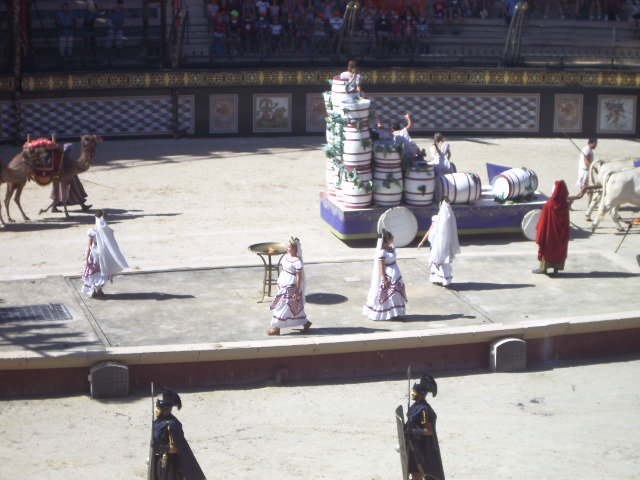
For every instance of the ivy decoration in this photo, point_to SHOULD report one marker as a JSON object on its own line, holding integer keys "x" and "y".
{"x": 422, "y": 189}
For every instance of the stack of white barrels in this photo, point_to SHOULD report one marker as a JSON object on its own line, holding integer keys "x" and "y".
{"x": 351, "y": 139}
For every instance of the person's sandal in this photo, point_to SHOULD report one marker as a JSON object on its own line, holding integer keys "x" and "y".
{"x": 306, "y": 326}
{"x": 273, "y": 331}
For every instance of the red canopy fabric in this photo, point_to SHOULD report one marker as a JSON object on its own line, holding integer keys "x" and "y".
{"x": 553, "y": 227}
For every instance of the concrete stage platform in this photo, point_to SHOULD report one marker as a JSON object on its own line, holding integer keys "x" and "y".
{"x": 204, "y": 327}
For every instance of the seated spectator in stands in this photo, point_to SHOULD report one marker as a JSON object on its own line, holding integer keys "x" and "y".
{"x": 274, "y": 9}
{"x": 383, "y": 30}
{"x": 66, "y": 24}
{"x": 369, "y": 21}
{"x": 235, "y": 34}
{"x": 595, "y": 11}
{"x": 275, "y": 32}
{"x": 320, "y": 37}
{"x": 335, "y": 23}
{"x": 509, "y": 8}
{"x": 440, "y": 11}
{"x": 249, "y": 32}
{"x": 395, "y": 34}
{"x": 225, "y": 8}
{"x": 547, "y": 7}
{"x": 88, "y": 30}
{"x": 455, "y": 13}
{"x": 248, "y": 7}
{"x": 422, "y": 33}
{"x": 219, "y": 34}
{"x": 327, "y": 8}
{"x": 580, "y": 11}
{"x": 634, "y": 14}
{"x": 409, "y": 31}
{"x": 116, "y": 27}
{"x": 289, "y": 34}
{"x": 304, "y": 28}
{"x": 263, "y": 33}
{"x": 262, "y": 7}
{"x": 612, "y": 10}
{"x": 212, "y": 11}
{"x": 481, "y": 8}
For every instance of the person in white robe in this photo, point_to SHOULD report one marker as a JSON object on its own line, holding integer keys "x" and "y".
{"x": 443, "y": 238}
{"x": 103, "y": 258}
{"x": 288, "y": 305}
{"x": 441, "y": 156}
{"x": 387, "y": 297}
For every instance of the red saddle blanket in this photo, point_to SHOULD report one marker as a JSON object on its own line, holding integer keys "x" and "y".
{"x": 48, "y": 163}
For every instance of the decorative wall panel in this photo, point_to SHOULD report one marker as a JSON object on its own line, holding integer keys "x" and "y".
{"x": 617, "y": 113}
{"x": 455, "y": 112}
{"x": 567, "y": 113}
{"x": 223, "y": 113}
{"x": 108, "y": 116}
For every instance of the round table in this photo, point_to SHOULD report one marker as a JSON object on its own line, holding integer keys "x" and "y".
{"x": 269, "y": 249}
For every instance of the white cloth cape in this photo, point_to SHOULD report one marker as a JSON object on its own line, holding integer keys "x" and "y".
{"x": 109, "y": 255}
{"x": 444, "y": 236}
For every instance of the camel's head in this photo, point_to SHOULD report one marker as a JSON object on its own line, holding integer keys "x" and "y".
{"x": 32, "y": 154}
{"x": 90, "y": 141}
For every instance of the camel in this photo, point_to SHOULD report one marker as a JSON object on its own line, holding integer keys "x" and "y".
{"x": 15, "y": 174}
{"x": 70, "y": 167}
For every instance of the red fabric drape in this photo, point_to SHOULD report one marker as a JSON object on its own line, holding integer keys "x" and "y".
{"x": 553, "y": 227}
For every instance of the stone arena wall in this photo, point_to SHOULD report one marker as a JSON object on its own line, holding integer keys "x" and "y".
{"x": 289, "y": 102}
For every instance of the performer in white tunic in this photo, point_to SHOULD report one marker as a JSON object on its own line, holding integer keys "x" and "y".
{"x": 387, "y": 297}
{"x": 103, "y": 258}
{"x": 440, "y": 155}
{"x": 288, "y": 304}
{"x": 584, "y": 162}
{"x": 443, "y": 237}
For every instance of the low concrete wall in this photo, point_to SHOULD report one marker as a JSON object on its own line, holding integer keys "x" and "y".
{"x": 26, "y": 373}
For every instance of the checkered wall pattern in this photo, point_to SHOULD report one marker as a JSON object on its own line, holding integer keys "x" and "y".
{"x": 462, "y": 112}
{"x": 116, "y": 116}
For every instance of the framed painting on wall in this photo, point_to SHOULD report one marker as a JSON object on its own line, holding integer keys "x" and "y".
{"x": 617, "y": 113}
{"x": 568, "y": 113}
{"x": 223, "y": 113}
{"x": 316, "y": 113}
{"x": 272, "y": 112}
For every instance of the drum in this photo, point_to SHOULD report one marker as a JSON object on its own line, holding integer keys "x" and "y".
{"x": 402, "y": 224}
{"x": 419, "y": 184}
{"x": 529, "y": 224}
{"x": 515, "y": 182}
{"x": 387, "y": 185}
{"x": 356, "y": 196}
{"x": 459, "y": 187}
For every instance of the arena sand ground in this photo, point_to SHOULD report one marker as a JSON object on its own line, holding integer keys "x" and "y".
{"x": 199, "y": 203}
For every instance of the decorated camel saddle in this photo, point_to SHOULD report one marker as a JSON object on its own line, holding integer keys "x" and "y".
{"x": 48, "y": 163}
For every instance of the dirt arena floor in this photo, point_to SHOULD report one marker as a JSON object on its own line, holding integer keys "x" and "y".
{"x": 560, "y": 422}
{"x": 200, "y": 203}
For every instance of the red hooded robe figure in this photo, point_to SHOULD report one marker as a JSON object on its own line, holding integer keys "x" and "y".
{"x": 553, "y": 229}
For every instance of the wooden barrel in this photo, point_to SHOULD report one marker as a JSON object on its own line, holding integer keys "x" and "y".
{"x": 459, "y": 187}
{"x": 358, "y": 143}
{"x": 353, "y": 196}
{"x": 387, "y": 185}
{"x": 360, "y": 160}
{"x": 354, "y": 111}
{"x": 515, "y": 182}
{"x": 339, "y": 92}
{"x": 419, "y": 184}
{"x": 386, "y": 152}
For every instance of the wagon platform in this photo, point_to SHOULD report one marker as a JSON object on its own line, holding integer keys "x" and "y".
{"x": 480, "y": 217}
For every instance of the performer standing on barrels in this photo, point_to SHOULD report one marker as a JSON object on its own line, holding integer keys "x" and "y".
{"x": 172, "y": 455}
{"x": 552, "y": 234}
{"x": 288, "y": 304}
{"x": 423, "y": 450}
{"x": 387, "y": 297}
{"x": 443, "y": 237}
{"x": 353, "y": 78}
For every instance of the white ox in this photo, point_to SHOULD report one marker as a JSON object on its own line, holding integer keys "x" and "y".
{"x": 598, "y": 172}
{"x": 620, "y": 187}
